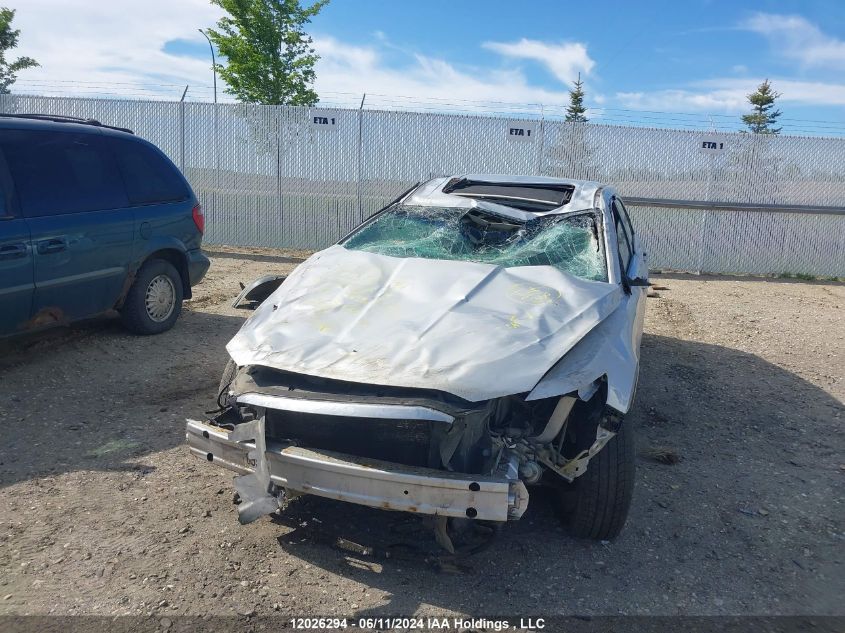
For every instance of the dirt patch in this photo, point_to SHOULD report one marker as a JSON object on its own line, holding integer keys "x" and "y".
{"x": 740, "y": 378}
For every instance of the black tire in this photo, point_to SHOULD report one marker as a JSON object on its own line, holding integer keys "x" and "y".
{"x": 598, "y": 501}
{"x": 228, "y": 376}
{"x": 153, "y": 317}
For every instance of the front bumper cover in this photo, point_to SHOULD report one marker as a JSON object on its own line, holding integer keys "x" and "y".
{"x": 364, "y": 481}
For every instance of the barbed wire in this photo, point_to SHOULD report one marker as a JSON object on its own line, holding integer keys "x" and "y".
{"x": 166, "y": 91}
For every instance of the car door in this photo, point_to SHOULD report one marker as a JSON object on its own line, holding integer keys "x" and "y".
{"x": 16, "y": 265}
{"x": 638, "y": 267}
{"x": 633, "y": 265}
{"x": 160, "y": 197}
{"x": 74, "y": 201}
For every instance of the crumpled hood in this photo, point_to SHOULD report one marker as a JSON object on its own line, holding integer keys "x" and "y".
{"x": 473, "y": 330}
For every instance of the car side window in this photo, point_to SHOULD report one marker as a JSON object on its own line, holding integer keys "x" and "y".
{"x": 626, "y": 219}
{"x": 623, "y": 238}
{"x": 7, "y": 190}
{"x": 150, "y": 178}
{"x": 61, "y": 172}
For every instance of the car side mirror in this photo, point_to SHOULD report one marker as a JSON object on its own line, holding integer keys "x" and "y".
{"x": 639, "y": 282}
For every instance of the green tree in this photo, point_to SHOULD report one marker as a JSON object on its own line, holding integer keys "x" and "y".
{"x": 763, "y": 116}
{"x": 575, "y": 111}
{"x": 8, "y": 41}
{"x": 269, "y": 57}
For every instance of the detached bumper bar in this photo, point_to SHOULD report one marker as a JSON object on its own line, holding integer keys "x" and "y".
{"x": 364, "y": 481}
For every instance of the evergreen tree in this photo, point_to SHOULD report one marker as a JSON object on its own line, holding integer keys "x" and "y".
{"x": 764, "y": 115}
{"x": 575, "y": 111}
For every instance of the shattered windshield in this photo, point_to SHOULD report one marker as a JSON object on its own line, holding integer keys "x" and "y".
{"x": 568, "y": 242}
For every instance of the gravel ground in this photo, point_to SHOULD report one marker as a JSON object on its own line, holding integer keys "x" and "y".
{"x": 103, "y": 510}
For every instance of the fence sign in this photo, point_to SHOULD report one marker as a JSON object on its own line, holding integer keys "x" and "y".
{"x": 322, "y": 119}
{"x": 712, "y": 144}
{"x": 524, "y": 131}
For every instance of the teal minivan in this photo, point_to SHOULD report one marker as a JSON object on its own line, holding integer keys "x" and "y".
{"x": 92, "y": 219}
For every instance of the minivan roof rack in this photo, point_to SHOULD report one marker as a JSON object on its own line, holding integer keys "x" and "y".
{"x": 60, "y": 118}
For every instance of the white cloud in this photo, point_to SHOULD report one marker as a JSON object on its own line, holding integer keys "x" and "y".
{"x": 797, "y": 38}
{"x": 116, "y": 47}
{"x": 729, "y": 95}
{"x": 681, "y": 100}
{"x": 344, "y": 68}
{"x": 564, "y": 60}
{"x": 106, "y": 44}
{"x": 793, "y": 37}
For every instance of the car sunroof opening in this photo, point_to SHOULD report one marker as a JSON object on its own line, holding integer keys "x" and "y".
{"x": 526, "y": 196}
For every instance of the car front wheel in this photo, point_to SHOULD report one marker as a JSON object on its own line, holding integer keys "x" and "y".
{"x": 596, "y": 504}
{"x": 154, "y": 301}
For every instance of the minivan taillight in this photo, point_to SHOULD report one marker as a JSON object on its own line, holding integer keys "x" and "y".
{"x": 199, "y": 218}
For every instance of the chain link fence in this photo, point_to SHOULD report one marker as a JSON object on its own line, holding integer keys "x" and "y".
{"x": 279, "y": 176}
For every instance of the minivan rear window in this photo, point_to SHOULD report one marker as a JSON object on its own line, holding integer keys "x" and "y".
{"x": 149, "y": 177}
{"x": 62, "y": 172}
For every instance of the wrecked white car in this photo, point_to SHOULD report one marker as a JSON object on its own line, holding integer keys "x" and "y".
{"x": 479, "y": 335}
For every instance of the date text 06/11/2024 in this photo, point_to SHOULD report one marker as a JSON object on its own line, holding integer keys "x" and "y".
{"x": 419, "y": 623}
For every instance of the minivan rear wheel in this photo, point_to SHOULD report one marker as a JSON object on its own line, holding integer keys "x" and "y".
{"x": 154, "y": 301}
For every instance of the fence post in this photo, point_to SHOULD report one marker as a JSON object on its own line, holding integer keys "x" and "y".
{"x": 182, "y": 131}
{"x": 276, "y": 113}
{"x": 541, "y": 146}
{"x": 360, "y": 156}
{"x": 705, "y": 218}
{"x": 279, "y": 114}
{"x": 182, "y": 137}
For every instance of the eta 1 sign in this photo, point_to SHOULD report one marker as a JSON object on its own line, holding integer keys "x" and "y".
{"x": 712, "y": 144}
{"x": 521, "y": 130}
{"x": 322, "y": 119}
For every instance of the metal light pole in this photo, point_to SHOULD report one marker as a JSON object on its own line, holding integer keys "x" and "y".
{"x": 216, "y": 142}
{"x": 213, "y": 62}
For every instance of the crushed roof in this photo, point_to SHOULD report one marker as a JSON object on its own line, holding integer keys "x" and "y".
{"x": 431, "y": 194}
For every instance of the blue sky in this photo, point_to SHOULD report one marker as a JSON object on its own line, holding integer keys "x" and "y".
{"x": 698, "y": 57}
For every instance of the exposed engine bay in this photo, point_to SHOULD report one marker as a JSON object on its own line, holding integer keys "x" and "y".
{"x": 548, "y": 441}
